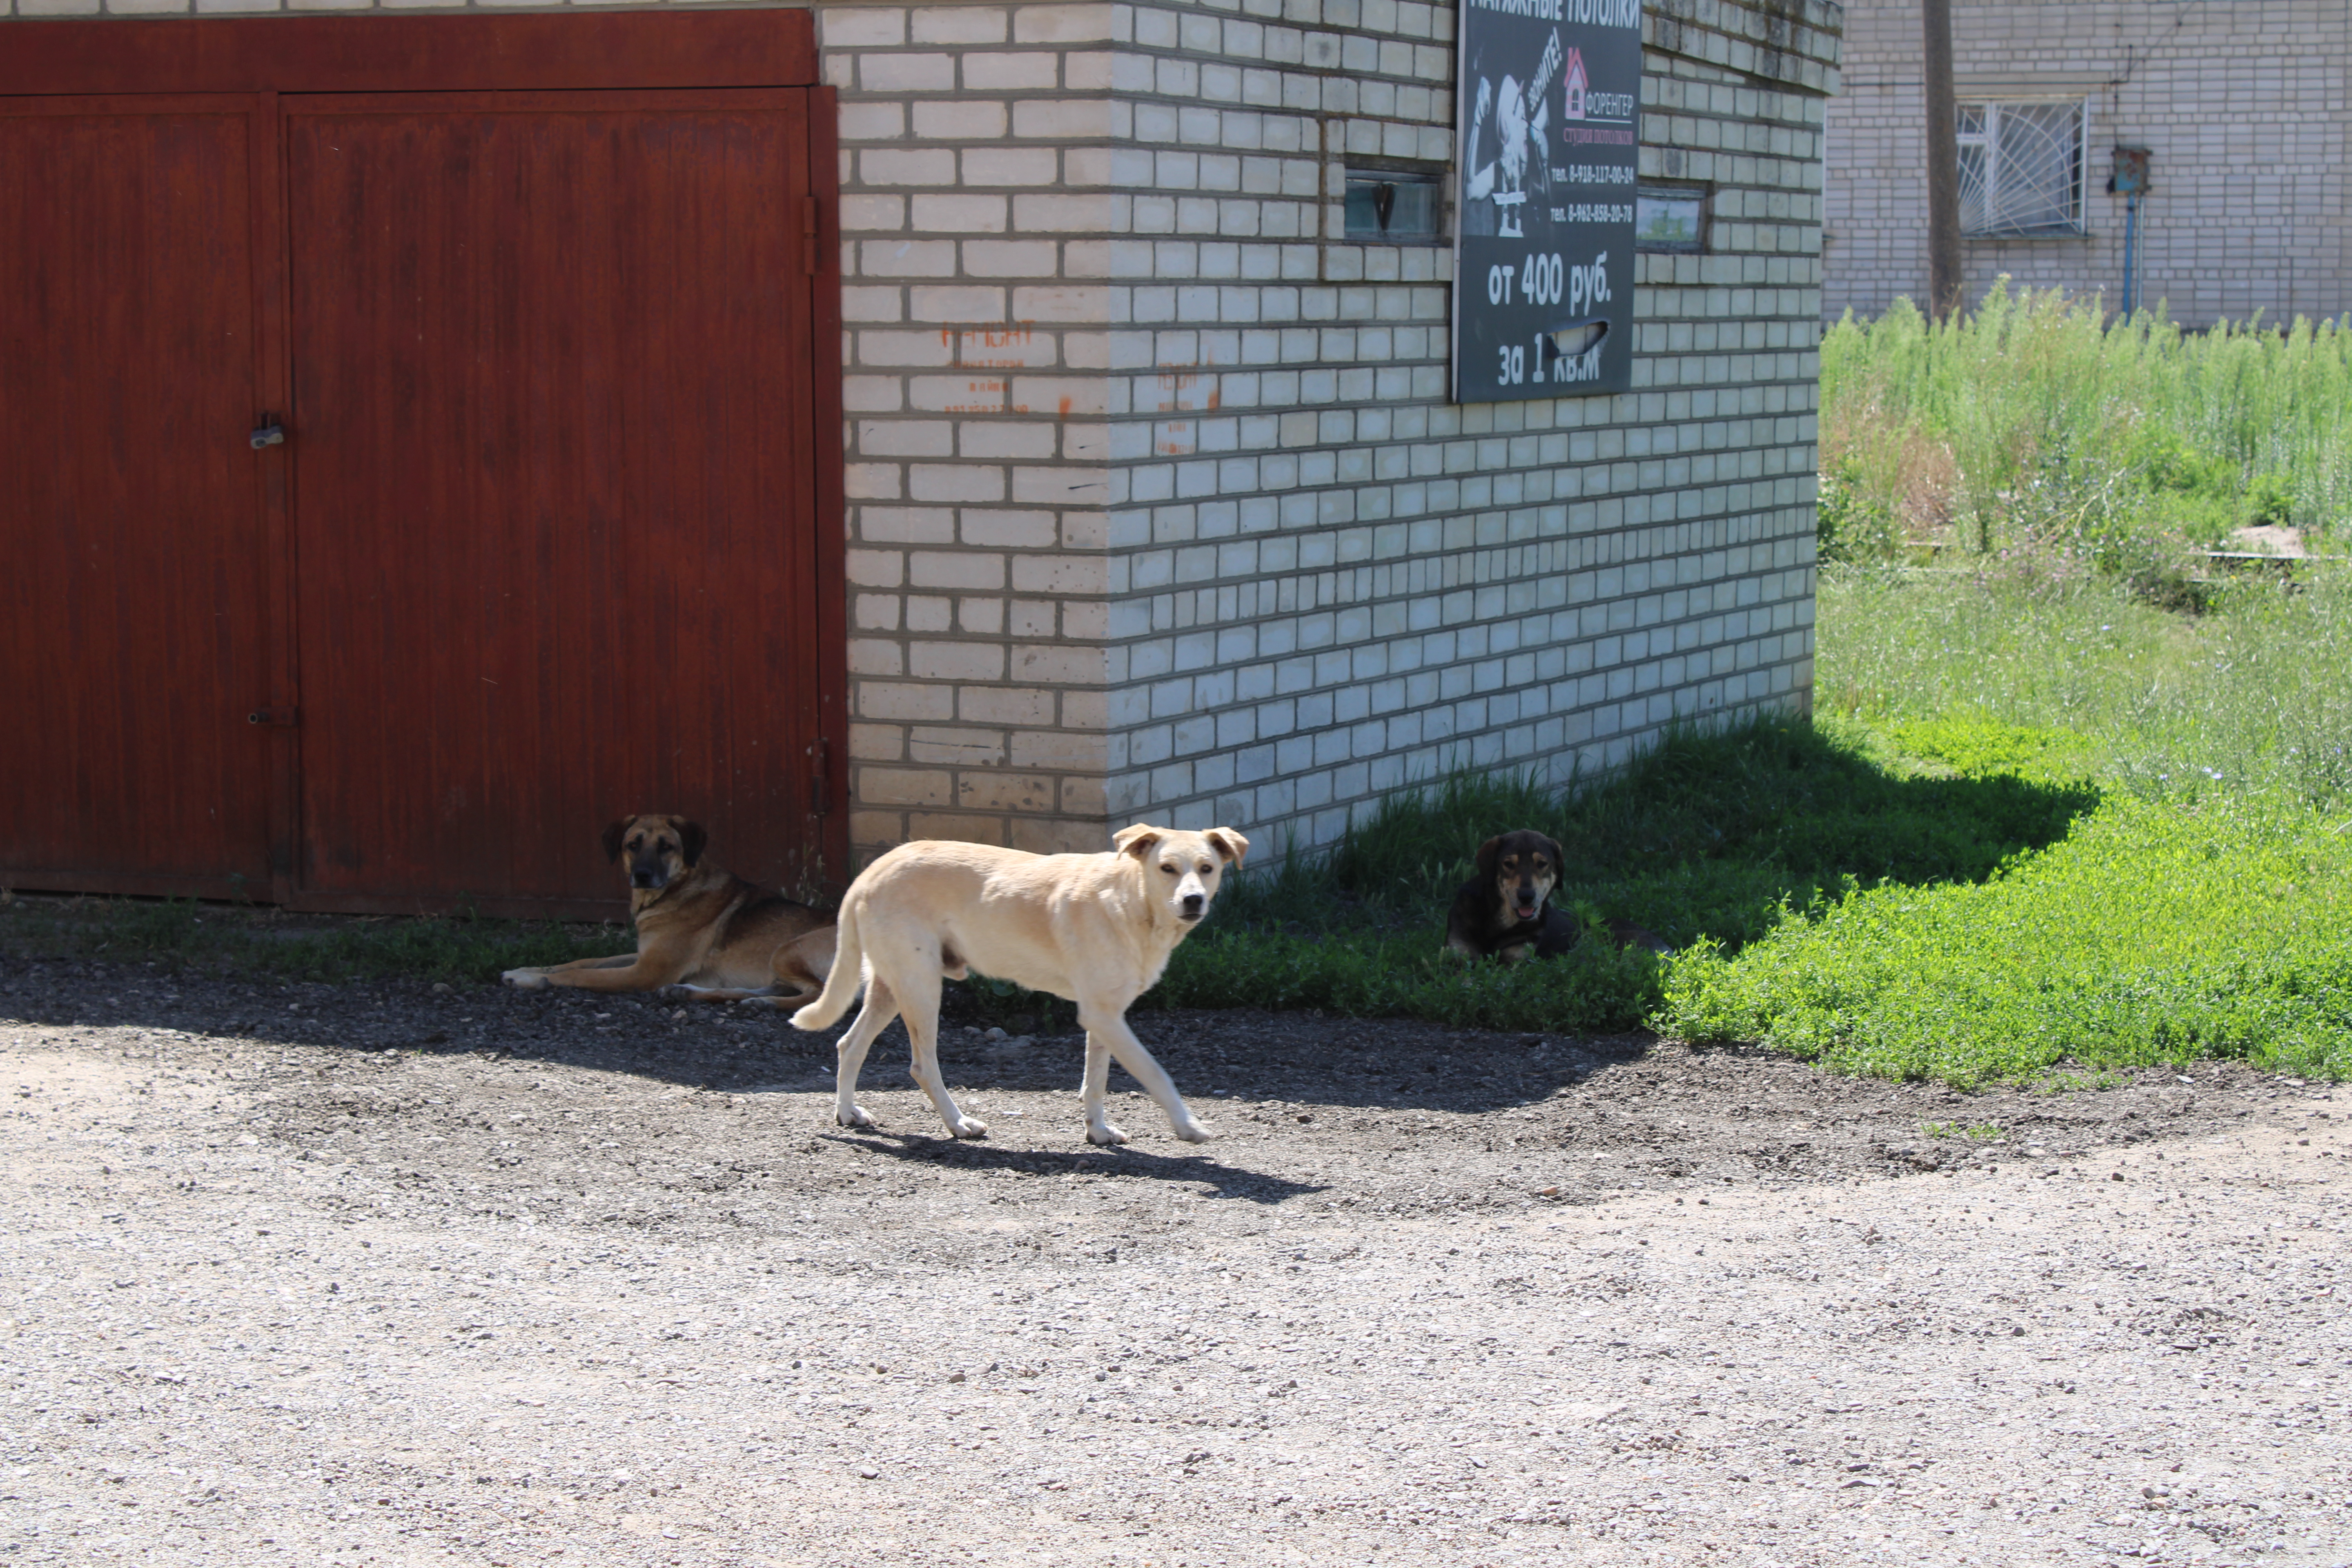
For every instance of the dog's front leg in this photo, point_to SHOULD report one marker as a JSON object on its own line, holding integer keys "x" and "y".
{"x": 541, "y": 978}
{"x": 1095, "y": 1087}
{"x": 644, "y": 971}
{"x": 780, "y": 1000}
{"x": 764, "y": 996}
{"x": 1110, "y": 1027}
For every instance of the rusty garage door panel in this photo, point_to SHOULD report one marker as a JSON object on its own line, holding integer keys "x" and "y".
{"x": 549, "y": 494}
{"x": 133, "y": 608}
{"x": 414, "y": 480}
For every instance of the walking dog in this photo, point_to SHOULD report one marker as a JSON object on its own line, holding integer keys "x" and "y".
{"x": 1095, "y": 929}
{"x": 702, "y": 935}
{"x": 1506, "y": 910}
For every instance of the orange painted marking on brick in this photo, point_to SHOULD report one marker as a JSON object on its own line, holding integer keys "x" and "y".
{"x": 997, "y": 346}
{"x": 1179, "y": 393}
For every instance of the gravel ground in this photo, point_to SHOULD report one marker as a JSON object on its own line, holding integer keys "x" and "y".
{"x": 383, "y": 1274}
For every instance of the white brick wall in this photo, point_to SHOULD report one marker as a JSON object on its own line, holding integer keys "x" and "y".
{"x": 1333, "y": 582}
{"x": 976, "y": 185}
{"x": 1156, "y": 505}
{"x": 2247, "y": 107}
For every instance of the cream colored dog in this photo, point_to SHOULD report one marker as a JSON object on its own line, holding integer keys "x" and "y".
{"x": 1095, "y": 929}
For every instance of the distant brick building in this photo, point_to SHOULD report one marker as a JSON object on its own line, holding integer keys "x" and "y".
{"x": 1156, "y": 502}
{"x": 2246, "y": 108}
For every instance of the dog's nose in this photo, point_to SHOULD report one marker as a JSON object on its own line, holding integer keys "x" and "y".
{"x": 645, "y": 879}
{"x": 1193, "y": 903}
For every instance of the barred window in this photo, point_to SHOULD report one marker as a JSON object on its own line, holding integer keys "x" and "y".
{"x": 2022, "y": 167}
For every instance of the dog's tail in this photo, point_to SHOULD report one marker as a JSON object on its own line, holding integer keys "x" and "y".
{"x": 842, "y": 980}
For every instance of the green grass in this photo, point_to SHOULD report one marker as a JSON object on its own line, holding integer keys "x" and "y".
{"x": 1978, "y": 1132}
{"x": 2200, "y": 910}
{"x": 2031, "y": 831}
{"x": 2154, "y": 934}
{"x": 2255, "y": 699}
{"x": 1711, "y": 837}
{"x": 181, "y": 933}
{"x": 2037, "y": 429}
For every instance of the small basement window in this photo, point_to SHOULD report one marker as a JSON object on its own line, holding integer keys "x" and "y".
{"x": 1385, "y": 205}
{"x": 2022, "y": 167}
{"x": 1669, "y": 218}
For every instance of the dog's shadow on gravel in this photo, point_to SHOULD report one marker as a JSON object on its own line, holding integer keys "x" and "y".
{"x": 1125, "y": 1161}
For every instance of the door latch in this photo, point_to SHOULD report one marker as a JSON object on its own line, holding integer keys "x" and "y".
{"x": 268, "y": 433}
{"x": 820, "y": 752}
{"x": 280, "y": 718}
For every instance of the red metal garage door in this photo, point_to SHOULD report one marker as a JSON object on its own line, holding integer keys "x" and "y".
{"x": 135, "y": 579}
{"x": 552, "y": 442}
{"x": 561, "y": 364}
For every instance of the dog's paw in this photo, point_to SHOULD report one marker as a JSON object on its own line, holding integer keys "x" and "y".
{"x": 526, "y": 979}
{"x": 674, "y": 993}
{"x": 1195, "y": 1131}
{"x": 1107, "y": 1134}
{"x": 856, "y": 1116}
{"x": 969, "y": 1128}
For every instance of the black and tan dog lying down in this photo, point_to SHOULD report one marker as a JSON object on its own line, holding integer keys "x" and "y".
{"x": 703, "y": 935}
{"x": 1506, "y": 910}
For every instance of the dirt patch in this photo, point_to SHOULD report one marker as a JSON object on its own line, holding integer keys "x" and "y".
{"x": 2272, "y": 538}
{"x": 381, "y": 1274}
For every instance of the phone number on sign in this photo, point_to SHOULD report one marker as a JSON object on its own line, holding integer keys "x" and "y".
{"x": 1593, "y": 212}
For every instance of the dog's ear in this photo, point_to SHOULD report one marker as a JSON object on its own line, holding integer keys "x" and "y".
{"x": 1551, "y": 847}
{"x": 1227, "y": 843}
{"x": 613, "y": 834}
{"x": 691, "y": 841}
{"x": 1488, "y": 853}
{"x": 1136, "y": 840}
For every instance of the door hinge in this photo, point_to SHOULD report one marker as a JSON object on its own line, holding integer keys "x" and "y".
{"x": 278, "y": 717}
{"x": 820, "y": 752}
{"x": 811, "y": 229}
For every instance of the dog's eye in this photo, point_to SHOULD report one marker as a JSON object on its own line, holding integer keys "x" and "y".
{"x": 1168, "y": 867}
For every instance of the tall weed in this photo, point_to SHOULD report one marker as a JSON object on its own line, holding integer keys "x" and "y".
{"x": 2038, "y": 426}
{"x": 2255, "y": 698}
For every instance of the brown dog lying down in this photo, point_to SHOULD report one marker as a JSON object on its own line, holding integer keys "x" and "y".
{"x": 702, "y": 935}
{"x": 1506, "y": 910}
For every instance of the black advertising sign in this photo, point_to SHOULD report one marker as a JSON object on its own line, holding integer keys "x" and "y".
{"x": 1549, "y": 98}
